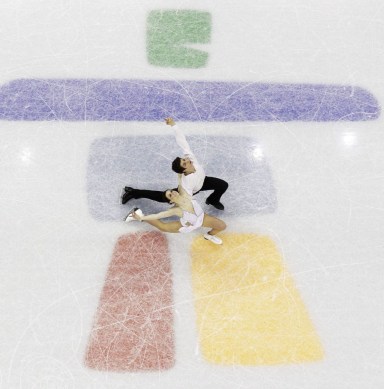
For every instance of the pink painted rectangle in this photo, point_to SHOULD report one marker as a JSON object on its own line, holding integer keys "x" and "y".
{"x": 133, "y": 328}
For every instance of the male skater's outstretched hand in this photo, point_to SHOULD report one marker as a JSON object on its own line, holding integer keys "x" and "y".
{"x": 169, "y": 121}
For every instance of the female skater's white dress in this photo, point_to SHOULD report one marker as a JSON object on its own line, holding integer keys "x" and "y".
{"x": 192, "y": 221}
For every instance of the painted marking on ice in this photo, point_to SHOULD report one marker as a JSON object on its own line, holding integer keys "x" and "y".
{"x": 133, "y": 329}
{"x": 144, "y": 100}
{"x": 144, "y": 162}
{"x": 170, "y": 31}
{"x": 248, "y": 309}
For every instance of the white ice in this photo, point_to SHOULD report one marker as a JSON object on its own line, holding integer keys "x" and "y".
{"x": 329, "y": 179}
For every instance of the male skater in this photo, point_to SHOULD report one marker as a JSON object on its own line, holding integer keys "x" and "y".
{"x": 193, "y": 179}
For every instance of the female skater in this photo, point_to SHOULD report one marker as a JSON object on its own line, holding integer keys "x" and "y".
{"x": 188, "y": 210}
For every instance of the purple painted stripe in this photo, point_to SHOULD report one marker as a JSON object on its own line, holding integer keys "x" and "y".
{"x": 146, "y": 100}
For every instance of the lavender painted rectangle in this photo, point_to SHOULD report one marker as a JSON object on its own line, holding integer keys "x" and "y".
{"x": 144, "y": 162}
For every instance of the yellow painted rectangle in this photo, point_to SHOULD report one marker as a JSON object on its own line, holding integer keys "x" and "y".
{"x": 248, "y": 309}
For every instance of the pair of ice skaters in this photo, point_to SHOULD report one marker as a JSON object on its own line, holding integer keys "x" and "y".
{"x": 191, "y": 179}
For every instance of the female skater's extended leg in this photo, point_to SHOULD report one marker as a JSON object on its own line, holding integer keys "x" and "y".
{"x": 165, "y": 227}
{"x": 214, "y": 223}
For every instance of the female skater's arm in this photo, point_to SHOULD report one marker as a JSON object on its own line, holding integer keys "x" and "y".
{"x": 180, "y": 188}
{"x": 174, "y": 211}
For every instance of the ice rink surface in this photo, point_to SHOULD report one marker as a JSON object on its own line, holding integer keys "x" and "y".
{"x": 283, "y": 100}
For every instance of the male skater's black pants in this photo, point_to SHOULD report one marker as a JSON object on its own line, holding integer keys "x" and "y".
{"x": 218, "y": 186}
